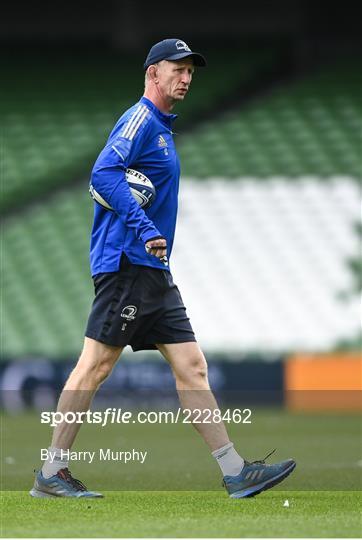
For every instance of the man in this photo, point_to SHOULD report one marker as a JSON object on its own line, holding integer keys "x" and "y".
{"x": 129, "y": 256}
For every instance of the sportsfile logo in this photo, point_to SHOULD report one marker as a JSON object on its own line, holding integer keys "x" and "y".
{"x": 129, "y": 313}
{"x": 113, "y": 415}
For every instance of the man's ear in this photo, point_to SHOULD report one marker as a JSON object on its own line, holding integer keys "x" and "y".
{"x": 152, "y": 73}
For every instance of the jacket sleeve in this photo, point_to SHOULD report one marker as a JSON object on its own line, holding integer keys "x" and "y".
{"x": 109, "y": 180}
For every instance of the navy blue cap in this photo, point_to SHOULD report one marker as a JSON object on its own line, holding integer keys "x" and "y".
{"x": 172, "y": 49}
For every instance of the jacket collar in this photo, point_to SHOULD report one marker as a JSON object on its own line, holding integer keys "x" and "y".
{"x": 165, "y": 118}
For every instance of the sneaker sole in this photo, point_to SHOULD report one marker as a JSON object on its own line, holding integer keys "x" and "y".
{"x": 258, "y": 488}
{"x": 44, "y": 495}
{"x": 41, "y": 494}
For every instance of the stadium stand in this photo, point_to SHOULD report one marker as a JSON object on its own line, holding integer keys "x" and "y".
{"x": 273, "y": 284}
{"x": 310, "y": 127}
{"x": 70, "y": 108}
{"x": 47, "y": 291}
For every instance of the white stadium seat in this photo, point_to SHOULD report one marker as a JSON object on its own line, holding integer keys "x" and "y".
{"x": 262, "y": 265}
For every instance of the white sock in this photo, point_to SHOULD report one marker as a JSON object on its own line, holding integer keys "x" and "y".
{"x": 52, "y": 466}
{"x": 229, "y": 460}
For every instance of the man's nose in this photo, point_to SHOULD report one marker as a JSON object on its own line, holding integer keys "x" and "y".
{"x": 186, "y": 78}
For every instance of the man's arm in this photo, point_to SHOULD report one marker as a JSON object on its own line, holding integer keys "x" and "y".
{"x": 109, "y": 180}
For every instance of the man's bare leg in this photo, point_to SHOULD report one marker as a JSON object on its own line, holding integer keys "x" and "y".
{"x": 241, "y": 479}
{"x": 93, "y": 367}
{"x": 190, "y": 370}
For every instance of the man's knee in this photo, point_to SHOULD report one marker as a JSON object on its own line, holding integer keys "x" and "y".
{"x": 194, "y": 370}
{"x": 198, "y": 366}
{"x": 101, "y": 370}
{"x": 96, "y": 362}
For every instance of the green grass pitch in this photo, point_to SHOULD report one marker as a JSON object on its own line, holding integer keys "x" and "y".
{"x": 177, "y": 492}
{"x": 184, "y": 514}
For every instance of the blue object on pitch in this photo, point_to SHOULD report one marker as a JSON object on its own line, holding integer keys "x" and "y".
{"x": 61, "y": 484}
{"x": 256, "y": 477}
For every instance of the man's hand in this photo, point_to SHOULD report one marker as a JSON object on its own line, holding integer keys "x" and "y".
{"x": 158, "y": 247}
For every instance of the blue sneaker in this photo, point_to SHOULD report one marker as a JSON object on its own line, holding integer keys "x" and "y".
{"x": 61, "y": 484}
{"x": 256, "y": 477}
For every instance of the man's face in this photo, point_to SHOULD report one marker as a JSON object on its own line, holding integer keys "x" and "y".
{"x": 175, "y": 78}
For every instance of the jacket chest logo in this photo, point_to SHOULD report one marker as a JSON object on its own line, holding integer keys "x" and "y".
{"x": 162, "y": 143}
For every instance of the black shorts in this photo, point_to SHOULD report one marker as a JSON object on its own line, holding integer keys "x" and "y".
{"x": 138, "y": 306}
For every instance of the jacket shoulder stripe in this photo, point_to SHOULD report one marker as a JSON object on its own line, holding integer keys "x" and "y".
{"x": 133, "y": 120}
{"x": 139, "y": 123}
{"x": 130, "y": 120}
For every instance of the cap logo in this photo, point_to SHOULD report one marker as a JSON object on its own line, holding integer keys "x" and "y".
{"x": 182, "y": 45}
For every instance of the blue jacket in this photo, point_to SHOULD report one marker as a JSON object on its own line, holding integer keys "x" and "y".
{"x": 142, "y": 140}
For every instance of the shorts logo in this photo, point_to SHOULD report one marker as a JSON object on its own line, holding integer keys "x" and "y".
{"x": 129, "y": 313}
{"x": 182, "y": 45}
